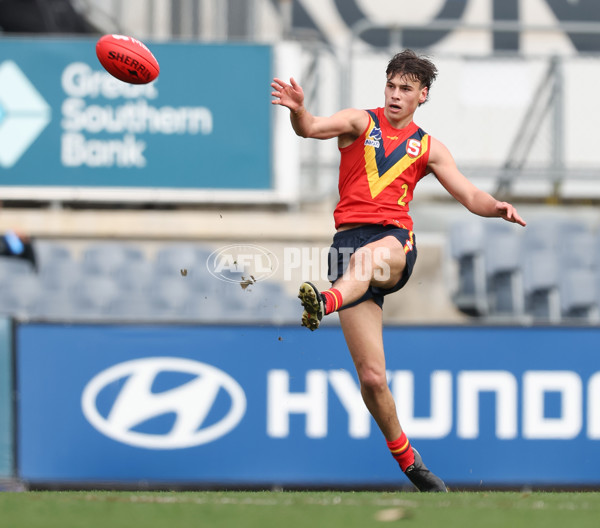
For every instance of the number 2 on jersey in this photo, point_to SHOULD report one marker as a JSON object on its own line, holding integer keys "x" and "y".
{"x": 401, "y": 199}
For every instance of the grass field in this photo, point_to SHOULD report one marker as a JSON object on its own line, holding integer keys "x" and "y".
{"x": 287, "y": 509}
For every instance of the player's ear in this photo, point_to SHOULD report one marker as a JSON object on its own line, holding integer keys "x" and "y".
{"x": 423, "y": 96}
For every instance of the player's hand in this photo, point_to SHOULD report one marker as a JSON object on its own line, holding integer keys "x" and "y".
{"x": 509, "y": 213}
{"x": 288, "y": 95}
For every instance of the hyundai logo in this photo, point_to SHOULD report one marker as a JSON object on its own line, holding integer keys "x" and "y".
{"x": 133, "y": 401}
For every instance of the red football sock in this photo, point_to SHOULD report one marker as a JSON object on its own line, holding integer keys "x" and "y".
{"x": 333, "y": 300}
{"x": 402, "y": 451}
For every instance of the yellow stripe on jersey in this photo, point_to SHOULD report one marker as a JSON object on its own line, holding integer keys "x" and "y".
{"x": 378, "y": 182}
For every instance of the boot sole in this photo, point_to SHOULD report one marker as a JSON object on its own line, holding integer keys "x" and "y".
{"x": 311, "y": 305}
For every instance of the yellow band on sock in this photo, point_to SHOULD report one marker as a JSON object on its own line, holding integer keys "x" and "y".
{"x": 403, "y": 448}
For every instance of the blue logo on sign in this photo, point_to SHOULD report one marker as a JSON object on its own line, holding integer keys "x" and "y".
{"x": 24, "y": 114}
{"x": 157, "y": 410}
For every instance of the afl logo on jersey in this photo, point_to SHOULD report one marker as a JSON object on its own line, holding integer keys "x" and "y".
{"x": 374, "y": 138}
{"x": 413, "y": 147}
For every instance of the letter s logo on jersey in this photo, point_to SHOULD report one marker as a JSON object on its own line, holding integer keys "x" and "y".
{"x": 413, "y": 147}
{"x": 126, "y": 401}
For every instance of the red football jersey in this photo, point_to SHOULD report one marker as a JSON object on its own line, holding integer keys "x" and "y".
{"x": 378, "y": 173}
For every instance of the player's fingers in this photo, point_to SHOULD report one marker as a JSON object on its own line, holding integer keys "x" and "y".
{"x": 511, "y": 215}
{"x": 519, "y": 220}
{"x": 278, "y": 84}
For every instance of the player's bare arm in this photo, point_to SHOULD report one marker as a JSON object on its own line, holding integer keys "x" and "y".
{"x": 479, "y": 202}
{"x": 346, "y": 124}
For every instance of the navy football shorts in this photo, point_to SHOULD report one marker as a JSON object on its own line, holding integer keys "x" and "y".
{"x": 347, "y": 242}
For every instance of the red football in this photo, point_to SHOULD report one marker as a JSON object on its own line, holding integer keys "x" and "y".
{"x": 127, "y": 59}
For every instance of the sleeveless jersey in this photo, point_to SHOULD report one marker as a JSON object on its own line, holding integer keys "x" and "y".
{"x": 378, "y": 173}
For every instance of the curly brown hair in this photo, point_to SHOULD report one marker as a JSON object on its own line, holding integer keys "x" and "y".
{"x": 416, "y": 67}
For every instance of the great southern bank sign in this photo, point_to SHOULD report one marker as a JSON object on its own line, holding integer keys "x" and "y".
{"x": 64, "y": 121}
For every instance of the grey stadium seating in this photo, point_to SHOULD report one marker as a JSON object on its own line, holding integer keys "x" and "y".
{"x": 117, "y": 281}
{"x": 546, "y": 273}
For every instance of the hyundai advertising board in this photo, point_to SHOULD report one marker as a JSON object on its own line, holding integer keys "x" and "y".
{"x": 6, "y": 400}
{"x": 281, "y": 406}
{"x": 203, "y": 124}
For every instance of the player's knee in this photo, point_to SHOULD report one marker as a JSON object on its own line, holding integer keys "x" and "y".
{"x": 373, "y": 381}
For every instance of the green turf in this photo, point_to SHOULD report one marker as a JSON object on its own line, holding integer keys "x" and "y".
{"x": 91, "y": 509}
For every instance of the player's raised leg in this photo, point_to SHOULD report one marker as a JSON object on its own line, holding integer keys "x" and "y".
{"x": 380, "y": 263}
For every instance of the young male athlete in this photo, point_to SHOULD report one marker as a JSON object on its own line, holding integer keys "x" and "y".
{"x": 383, "y": 156}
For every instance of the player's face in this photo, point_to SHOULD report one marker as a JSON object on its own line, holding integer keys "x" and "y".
{"x": 402, "y": 97}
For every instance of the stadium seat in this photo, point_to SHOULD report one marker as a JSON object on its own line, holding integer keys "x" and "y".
{"x": 167, "y": 299}
{"x": 172, "y": 258}
{"x": 131, "y": 306}
{"x": 135, "y": 276}
{"x": 93, "y": 295}
{"x": 107, "y": 258}
{"x": 48, "y": 252}
{"x": 238, "y": 305}
{"x": 596, "y": 249}
{"x": 202, "y": 282}
{"x": 504, "y": 276}
{"x": 270, "y": 303}
{"x": 466, "y": 247}
{"x": 577, "y": 251}
{"x": 540, "y": 284}
{"x": 11, "y": 267}
{"x": 54, "y": 305}
{"x": 59, "y": 274}
{"x": 578, "y": 295}
{"x": 204, "y": 309}
{"x": 19, "y": 295}
{"x": 551, "y": 232}
{"x": 287, "y": 310}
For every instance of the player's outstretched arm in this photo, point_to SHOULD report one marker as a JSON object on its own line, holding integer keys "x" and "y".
{"x": 474, "y": 199}
{"x": 349, "y": 122}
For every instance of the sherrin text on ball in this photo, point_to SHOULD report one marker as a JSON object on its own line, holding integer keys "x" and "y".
{"x": 127, "y": 59}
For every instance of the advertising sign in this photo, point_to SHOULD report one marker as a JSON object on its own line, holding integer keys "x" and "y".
{"x": 6, "y": 400}
{"x": 282, "y": 406}
{"x": 203, "y": 124}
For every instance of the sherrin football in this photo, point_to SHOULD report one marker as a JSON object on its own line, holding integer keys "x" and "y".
{"x": 127, "y": 59}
